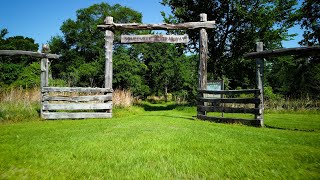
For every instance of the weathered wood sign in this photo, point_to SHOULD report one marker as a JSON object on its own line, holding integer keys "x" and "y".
{"x": 154, "y": 38}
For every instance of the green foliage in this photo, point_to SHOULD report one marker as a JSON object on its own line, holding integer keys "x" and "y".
{"x": 239, "y": 24}
{"x": 57, "y": 83}
{"x": 13, "y": 112}
{"x": 29, "y": 77}
{"x": 82, "y": 44}
{"x": 308, "y": 16}
{"x": 269, "y": 95}
{"x": 15, "y": 69}
{"x": 129, "y": 72}
{"x": 295, "y": 77}
{"x": 168, "y": 69}
{"x": 144, "y": 69}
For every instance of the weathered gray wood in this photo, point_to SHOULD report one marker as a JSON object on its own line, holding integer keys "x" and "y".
{"x": 231, "y": 92}
{"x": 259, "y": 81}
{"x": 203, "y": 56}
{"x": 80, "y": 115}
{"x": 28, "y": 53}
{"x": 152, "y": 38}
{"x": 76, "y": 89}
{"x": 109, "y": 37}
{"x": 250, "y": 122}
{"x": 232, "y": 100}
{"x": 228, "y": 109}
{"x": 107, "y": 97}
{"x": 44, "y": 78}
{"x": 300, "y": 51}
{"x": 77, "y": 106}
{"x": 164, "y": 26}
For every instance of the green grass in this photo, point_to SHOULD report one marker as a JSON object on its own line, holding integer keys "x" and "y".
{"x": 161, "y": 142}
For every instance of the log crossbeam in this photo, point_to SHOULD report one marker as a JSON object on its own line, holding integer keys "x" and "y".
{"x": 164, "y": 26}
{"x": 301, "y": 51}
{"x": 29, "y": 53}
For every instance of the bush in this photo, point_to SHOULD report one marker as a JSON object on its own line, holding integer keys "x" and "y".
{"x": 18, "y": 104}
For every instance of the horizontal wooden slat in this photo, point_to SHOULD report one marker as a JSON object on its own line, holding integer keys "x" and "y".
{"x": 251, "y": 122}
{"x": 107, "y": 97}
{"x": 228, "y": 109}
{"x": 231, "y": 100}
{"x": 28, "y": 53}
{"x": 229, "y": 92}
{"x": 80, "y": 115}
{"x": 76, "y": 89}
{"x": 164, "y": 26}
{"x": 77, "y": 106}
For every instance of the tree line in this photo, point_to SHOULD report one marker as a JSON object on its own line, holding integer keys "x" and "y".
{"x": 158, "y": 69}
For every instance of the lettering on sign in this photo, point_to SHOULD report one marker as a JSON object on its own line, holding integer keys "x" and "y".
{"x": 154, "y": 38}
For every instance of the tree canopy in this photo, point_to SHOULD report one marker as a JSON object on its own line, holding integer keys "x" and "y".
{"x": 239, "y": 24}
{"x": 18, "y": 70}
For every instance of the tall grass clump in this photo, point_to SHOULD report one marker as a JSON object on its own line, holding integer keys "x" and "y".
{"x": 18, "y": 104}
{"x": 122, "y": 98}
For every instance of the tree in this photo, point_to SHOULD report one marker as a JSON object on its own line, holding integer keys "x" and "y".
{"x": 12, "y": 68}
{"x": 168, "y": 69}
{"x": 82, "y": 44}
{"x": 308, "y": 16}
{"x": 299, "y": 77}
{"x": 239, "y": 24}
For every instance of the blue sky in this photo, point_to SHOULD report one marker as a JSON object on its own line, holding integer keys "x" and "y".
{"x": 41, "y": 19}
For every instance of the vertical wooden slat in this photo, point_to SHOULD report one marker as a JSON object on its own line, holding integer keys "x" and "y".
{"x": 259, "y": 81}
{"x": 203, "y": 57}
{"x": 109, "y": 37}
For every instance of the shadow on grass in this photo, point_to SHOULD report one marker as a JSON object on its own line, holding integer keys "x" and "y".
{"x": 290, "y": 129}
{"x": 175, "y": 117}
{"x": 161, "y": 107}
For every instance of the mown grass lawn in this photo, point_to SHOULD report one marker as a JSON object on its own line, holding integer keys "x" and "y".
{"x": 161, "y": 144}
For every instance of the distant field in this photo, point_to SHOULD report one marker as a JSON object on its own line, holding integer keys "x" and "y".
{"x": 161, "y": 142}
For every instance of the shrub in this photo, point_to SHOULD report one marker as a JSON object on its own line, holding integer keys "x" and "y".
{"x": 122, "y": 98}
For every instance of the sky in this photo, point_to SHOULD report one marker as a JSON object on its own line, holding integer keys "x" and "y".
{"x": 41, "y": 19}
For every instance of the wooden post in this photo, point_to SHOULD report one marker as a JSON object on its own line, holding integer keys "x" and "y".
{"x": 109, "y": 37}
{"x": 203, "y": 57}
{"x": 259, "y": 81}
{"x": 44, "y": 72}
{"x": 44, "y": 77}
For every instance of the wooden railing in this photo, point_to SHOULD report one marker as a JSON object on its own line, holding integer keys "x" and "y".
{"x": 223, "y": 105}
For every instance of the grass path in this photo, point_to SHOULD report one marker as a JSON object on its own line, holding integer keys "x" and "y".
{"x": 163, "y": 144}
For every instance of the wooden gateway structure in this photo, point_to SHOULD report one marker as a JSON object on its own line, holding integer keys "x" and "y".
{"x": 88, "y": 102}
{"x": 216, "y": 105}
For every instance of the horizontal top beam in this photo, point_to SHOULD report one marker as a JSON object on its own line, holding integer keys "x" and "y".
{"x": 28, "y": 53}
{"x": 300, "y": 51}
{"x": 164, "y": 26}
